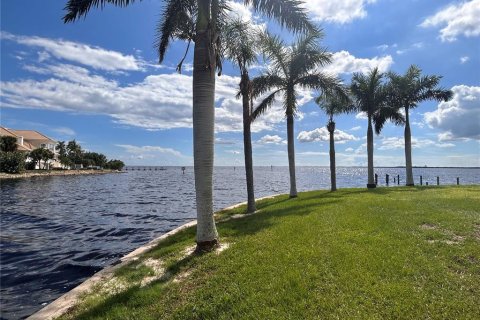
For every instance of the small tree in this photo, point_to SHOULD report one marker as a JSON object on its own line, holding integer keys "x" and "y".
{"x": 36, "y": 156}
{"x": 47, "y": 155}
{"x": 12, "y": 162}
{"x": 74, "y": 152}
{"x": 8, "y": 144}
{"x": 115, "y": 164}
{"x": 407, "y": 91}
{"x": 96, "y": 159}
{"x": 332, "y": 105}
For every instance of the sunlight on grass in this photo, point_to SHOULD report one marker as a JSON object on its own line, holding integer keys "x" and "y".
{"x": 376, "y": 254}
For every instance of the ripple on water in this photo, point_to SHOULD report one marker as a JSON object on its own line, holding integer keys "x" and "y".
{"x": 58, "y": 231}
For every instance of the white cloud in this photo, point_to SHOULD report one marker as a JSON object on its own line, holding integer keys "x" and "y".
{"x": 361, "y": 116}
{"x": 138, "y": 150}
{"x": 464, "y": 59}
{"x": 322, "y": 134}
{"x": 393, "y": 143}
{"x": 349, "y": 150}
{"x": 337, "y": 11}
{"x": 240, "y": 11}
{"x": 64, "y": 131}
{"x": 92, "y": 56}
{"x": 355, "y": 128}
{"x": 268, "y": 139}
{"x": 459, "y": 118}
{"x": 157, "y": 102}
{"x": 415, "y": 46}
{"x": 344, "y": 62}
{"x": 312, "y": 153}
{"x": 224, "y": 142}
{"x": 456, "y": 19}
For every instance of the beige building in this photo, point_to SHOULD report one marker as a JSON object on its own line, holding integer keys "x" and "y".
{"x": 28, "y": 140}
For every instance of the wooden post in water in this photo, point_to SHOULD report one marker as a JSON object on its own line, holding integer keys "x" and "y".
{"x": 398, "y": 179}
{"x": 386, "y": 178}
{"x": 438, "y": 181}
{"x": 458, "y": 181}
{"x": 183, "y": 170}
{"x": 426, "y": 183}
{"x": 376, "y": 179}
{"x": 421, "y": 180}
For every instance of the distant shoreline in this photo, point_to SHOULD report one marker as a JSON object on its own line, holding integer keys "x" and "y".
{"x": 286, "y": 166}
{"x": 31, "y": 174}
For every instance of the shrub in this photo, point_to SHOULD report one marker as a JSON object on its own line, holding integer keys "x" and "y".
{"x": 8, "y": 144}
{"x": 115, "y": 165}
{"x": 12, "y": 162}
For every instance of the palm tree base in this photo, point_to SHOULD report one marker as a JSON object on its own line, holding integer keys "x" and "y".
{"x": 371, "y": 185}
{"x": 206, "y": 246}
{"x": 293, "y": 196}
{"x": 410, "y": 185}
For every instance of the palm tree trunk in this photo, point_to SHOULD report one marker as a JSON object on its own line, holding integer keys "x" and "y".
{"x": 203, "y": 128}
{"x": 247, "y": 141}
{"x": 371, "y": 179}
{"x": 408, "y": 150}
{"x": 291, "y": 155}
{"x": 333, "y": 175}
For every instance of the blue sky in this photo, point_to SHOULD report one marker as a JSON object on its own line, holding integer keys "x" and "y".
{"x": 98, "y": 81}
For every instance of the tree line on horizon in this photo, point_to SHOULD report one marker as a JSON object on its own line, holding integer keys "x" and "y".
{"x": 70, "y": 155}
{"x": 216, "y": 36}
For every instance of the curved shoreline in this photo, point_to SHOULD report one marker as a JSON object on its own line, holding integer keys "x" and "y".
{"x": 65, "y": 302}
{"x": 51, "y": 173}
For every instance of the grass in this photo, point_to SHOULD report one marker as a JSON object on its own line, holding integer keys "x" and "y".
{"x": 403, "y": 253}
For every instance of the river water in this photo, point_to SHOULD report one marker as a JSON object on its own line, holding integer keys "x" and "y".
{"x": 58, "y": 231}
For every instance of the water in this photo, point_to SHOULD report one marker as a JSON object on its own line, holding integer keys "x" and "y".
{"x": 58, "y": 231}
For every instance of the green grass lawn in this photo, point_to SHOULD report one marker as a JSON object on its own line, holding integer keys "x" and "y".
{"x": 389, "y": 253}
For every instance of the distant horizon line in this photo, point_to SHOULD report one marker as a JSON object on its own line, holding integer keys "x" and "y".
{"x": 327, "y": 166}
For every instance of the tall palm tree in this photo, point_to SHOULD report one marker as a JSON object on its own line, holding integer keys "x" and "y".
{"x": 291, "y": 67}
{"x": 239, "y": 47}
{"x": 333, "y": 105}
{"x": 370, "y": 95}
{"x": 407, "y": 92}
{"x": 200, "y": 21}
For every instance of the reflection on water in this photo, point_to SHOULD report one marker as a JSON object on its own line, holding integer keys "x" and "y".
{"x": 58, "y": 231}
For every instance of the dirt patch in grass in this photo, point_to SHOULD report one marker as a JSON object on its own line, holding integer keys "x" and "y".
{"x": 476, "y": 231}
{"x": 428, "y": 226}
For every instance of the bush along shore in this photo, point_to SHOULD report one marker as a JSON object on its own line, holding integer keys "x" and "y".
{"x": 46, "y": 173}
{"x": 408, "y": 252}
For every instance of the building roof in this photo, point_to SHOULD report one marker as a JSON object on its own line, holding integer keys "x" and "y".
{"x": 7, "y": 132}
{"x": 28, "y": 135}
{"x": 32, "y": 135}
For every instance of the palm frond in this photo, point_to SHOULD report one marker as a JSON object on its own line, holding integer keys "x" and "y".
{"x": 323, "y": 82}
{"x": 368, "y": 91}
{"x": 79, "y": 8}
{"x": 408, "y": 90}
{"x": 264, "y": 105}
{"x": 384, "y": 114}
{"x": 332, "y": 103}
{"x": 307, "y": 54}
{"x": 274, "y": 50}
{"x": 239, "y": 44}
{"x": 288, "y": 13}
{"x": 265, "y": 83}
{"x": 176, "y": 21}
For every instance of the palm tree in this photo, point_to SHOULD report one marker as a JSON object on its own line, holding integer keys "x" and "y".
{"x": 291, "y": 67}
{"x": 74, "y": 152}
{"x": 333, "y": 105}
{"x": 370, "y": 95}
{"x": 200, "y": 21}
{"x": 239, "y": 47}
{"x": 407, "y": 92}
